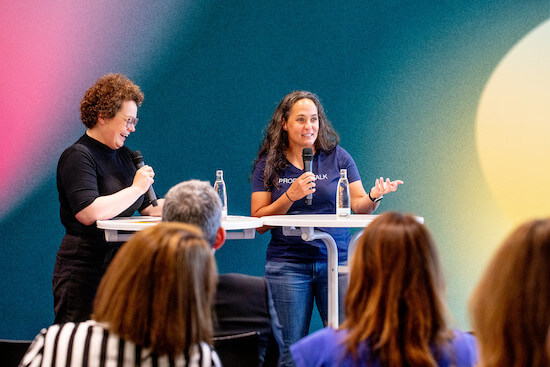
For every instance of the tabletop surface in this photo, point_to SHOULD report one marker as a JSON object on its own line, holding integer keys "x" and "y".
{"x": 322, "y": 220}
{"x": 137, "y": 223}
{"x": 234, "y": 222}
{"x": 319, "y": 220}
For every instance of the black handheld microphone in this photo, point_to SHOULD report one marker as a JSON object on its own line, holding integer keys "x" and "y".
{"x": 307, "y": 156}
{"x": 137, "y": 158}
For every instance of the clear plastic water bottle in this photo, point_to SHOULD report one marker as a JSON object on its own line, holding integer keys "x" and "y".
{"x": 343, "y": 208}
{"x": 219, "y": 186}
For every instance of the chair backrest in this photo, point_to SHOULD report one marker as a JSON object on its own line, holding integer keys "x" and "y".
{"x": 12, "y": 351}
{"x": 239, "y": 349}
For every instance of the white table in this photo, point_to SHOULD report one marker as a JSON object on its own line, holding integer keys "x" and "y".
{"x": 120, "y": 229}
{"x": 303, "y": 226}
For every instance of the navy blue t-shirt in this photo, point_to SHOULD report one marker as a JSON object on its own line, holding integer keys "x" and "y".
{"x": 326, "y": 167}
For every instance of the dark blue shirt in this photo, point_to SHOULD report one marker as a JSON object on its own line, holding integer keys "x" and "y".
{"x": 326, "y": 167}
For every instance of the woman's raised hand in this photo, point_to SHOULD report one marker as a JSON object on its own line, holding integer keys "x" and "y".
{"x": 382, "y": 187}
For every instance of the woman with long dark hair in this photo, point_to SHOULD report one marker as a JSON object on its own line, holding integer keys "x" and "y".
{"x": 296, "y": 270}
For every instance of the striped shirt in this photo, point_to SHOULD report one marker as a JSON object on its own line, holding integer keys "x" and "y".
{"x": 90, "y": 344}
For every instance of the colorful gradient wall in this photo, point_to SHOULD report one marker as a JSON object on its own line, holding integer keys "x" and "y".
{"x": 451, "y": 97}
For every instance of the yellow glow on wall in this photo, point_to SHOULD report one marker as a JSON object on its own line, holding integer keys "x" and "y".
{"x": 513, "y": 128}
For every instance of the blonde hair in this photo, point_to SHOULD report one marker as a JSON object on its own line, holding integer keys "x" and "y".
{"x": 158, "y": 290}
{"x": 510, "y": 306}
{"x": 395, "y": 297}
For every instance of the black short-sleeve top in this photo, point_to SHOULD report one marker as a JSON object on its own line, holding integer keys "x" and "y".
{"x": 89, "y": 169}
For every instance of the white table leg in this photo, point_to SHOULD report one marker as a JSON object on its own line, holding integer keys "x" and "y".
{"x": 332, "y": 264}
{"x": 310, "y": 234}
{"x": 353, "y": 243}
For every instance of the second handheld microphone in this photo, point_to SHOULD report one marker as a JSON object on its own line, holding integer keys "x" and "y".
{"x": 137, "y": 158}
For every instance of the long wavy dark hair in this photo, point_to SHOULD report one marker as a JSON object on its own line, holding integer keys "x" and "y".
{"x": 275, "y": 142}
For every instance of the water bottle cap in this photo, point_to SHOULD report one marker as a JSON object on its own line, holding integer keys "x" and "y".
{"x": 219, "y": 172}
{"x": 344, "y": 171}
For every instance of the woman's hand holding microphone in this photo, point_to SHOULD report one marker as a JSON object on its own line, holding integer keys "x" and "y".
{"x": 143, "y": 178}
{"x": 303, "y": 185}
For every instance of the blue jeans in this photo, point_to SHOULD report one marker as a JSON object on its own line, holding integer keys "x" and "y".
{"x": 294, "y": 286}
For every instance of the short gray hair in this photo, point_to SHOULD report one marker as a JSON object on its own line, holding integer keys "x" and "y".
{"x": 197, "y": 203}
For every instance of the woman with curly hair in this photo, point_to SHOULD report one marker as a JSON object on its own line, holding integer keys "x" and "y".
{"x": 395, "y": 308}
{"x": 510, "y": 306}
{"x": 153, "y": 308}
{"x": 96, "y": 180}
{"x": 296, "y": 270}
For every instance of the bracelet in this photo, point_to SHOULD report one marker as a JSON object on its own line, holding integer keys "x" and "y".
{"x": 286, "y": 193}
{"x": 375, "y": 200}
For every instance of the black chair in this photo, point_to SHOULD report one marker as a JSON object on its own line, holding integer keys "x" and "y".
{"x": 239, "y": 350}
{"x": 12, "y": 351}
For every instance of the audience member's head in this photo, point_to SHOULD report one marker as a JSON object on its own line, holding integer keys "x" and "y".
{"x": 197, "y": 203}
{"x": 511, "y": 304}
{"x": 158, "y": 290}
{"x": 395, "y": 295}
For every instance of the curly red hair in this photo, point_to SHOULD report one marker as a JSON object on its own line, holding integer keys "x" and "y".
{"x": 105, "y": 97}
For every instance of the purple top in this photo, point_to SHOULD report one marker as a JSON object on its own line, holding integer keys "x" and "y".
{"x": 325, "y": 348}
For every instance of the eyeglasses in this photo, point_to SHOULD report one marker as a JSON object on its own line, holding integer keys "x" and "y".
{"x": 130, "y": 120}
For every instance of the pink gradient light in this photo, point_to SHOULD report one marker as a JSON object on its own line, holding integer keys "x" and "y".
{"x": 35, "y": 67}
{"x": 51, "y": 52}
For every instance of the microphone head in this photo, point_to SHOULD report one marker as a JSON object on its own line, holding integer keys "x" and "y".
{"x": 137, "y": 157}
{"x": 307, "y": 154}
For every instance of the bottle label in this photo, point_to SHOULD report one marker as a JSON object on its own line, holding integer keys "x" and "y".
{"x": 343, "y": 212}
